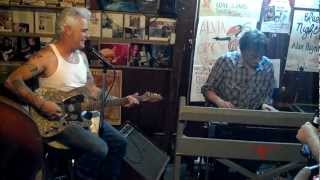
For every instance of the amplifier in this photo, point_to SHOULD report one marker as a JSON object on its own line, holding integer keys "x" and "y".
{"x": 143, "y": 156}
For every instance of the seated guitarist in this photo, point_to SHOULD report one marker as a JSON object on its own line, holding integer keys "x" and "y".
{"x": 64, "y": 67}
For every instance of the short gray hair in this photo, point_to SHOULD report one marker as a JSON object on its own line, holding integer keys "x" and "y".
{"x": 69, "y": 17}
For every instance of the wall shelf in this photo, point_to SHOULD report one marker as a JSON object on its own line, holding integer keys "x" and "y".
{"x": 103, "y": 40}
{"x": 134, "y": 68}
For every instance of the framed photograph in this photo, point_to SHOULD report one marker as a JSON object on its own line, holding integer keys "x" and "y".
{"x": 113, "y": 113}
{"x": 112, "y": 25}
{"x": 26, "y": 47}
{"x": 140, "y": 55}
{"x": 5, "y": 21}
{"x": 161, "y": 56}
{"x": 162, "y": 29}
{"x": 134, "y": 26}
{"x": 8, "y": 48}
{"x": 45, "y": 22}
{"x": 95, "y": 24}
{"x": 23, "y": 21}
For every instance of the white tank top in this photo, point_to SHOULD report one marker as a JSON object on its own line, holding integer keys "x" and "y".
{"x": 67, "y": 75}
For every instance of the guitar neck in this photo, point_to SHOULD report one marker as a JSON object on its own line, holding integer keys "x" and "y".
{"x": 117, "y": 102}
{"x": 122, "y": 101}
{"x": 112, "y": 102}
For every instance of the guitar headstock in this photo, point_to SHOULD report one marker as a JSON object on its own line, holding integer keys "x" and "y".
{"x": 150, "y": 97}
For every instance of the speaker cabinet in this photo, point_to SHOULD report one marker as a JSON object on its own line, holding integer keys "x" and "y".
{"x": 142, "y": 156}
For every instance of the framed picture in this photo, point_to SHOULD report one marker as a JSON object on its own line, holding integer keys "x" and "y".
{"x": 5, "y": 21}
{"x": 45, "y": 22}
{"x": 134, "y": 27}
{"x": 112, "y": 25}
{"x": 23, "y": 21}
{"x": 162, "y": 29}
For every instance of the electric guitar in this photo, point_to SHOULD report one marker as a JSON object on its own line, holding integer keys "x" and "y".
{"x": 73, "y": 104}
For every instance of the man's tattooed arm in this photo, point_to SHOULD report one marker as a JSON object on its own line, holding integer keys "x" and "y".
{"x": 16, "y": 84}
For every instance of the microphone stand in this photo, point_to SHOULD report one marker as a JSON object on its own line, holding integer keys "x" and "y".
{"x": 103, "y": 92}
{"x": 105, "y": 66}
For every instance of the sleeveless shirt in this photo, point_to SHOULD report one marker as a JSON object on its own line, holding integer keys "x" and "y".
{"x": 67, "y": 75}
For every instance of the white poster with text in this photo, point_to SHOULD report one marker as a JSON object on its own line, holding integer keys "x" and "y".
{"x": 276, "y": 16}
{"x": 220, "y": 25}
{"x": 304, "y": 46}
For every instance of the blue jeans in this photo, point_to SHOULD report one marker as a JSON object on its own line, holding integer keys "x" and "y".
{"x": 104, "y": 153}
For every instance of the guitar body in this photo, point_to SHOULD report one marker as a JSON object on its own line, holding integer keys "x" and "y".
{"x": 20, "y": 142}
{"x": 71, "y": 104}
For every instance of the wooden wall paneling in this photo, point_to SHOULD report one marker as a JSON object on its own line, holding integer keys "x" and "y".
{"x": 186, "y": 13}
{"x": 150, "y": 117}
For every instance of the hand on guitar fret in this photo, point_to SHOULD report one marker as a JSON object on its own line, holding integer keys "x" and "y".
{"x": 132, "y": 100}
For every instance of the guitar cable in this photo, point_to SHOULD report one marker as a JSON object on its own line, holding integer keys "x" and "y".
{"x": 113, "y": 80}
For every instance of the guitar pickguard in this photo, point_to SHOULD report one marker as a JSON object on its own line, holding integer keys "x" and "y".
{"x": 70, "y": 104}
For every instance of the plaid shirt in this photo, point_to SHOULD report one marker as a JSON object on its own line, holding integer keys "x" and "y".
{"x": 232, "y": 81}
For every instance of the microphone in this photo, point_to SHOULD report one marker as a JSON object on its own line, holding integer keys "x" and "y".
{"x": 102, "y": 59}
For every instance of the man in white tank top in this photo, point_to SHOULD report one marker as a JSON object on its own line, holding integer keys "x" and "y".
{"x": 64, "y": 67}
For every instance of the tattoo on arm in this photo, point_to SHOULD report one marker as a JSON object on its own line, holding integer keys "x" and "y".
{"x": 18, "y": 84}
{"x": 32, "y": 68}
{"x": 20, "y": 88}
{"x": 36, "y": 56}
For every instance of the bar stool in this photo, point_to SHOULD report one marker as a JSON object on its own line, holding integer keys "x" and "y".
{"x": 59, "y": 159}
{"x": 59, "y": 162}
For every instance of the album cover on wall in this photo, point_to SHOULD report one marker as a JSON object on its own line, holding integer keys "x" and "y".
{"x": 8, "y": 48}
{"x": 117, "y": 53}
{"x": 26, "y": 47}
{"x": 162, "y": 29}
{"x": 150, "y": 55}
{"x": 45, "y": 22}
{"x": 161, "y": 56}
{"x": 23, "y": 21}
{"x": 112, "y": 25}
{"x": 134, "y": 26}
{"x": 5, "y": 21}
{"x": 95, "y": 24}
{"x": 112, "y": 113}
{"x": 140, "y": 55}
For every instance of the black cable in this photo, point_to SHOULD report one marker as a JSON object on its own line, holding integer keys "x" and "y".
{"x": 108, "y": 92}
